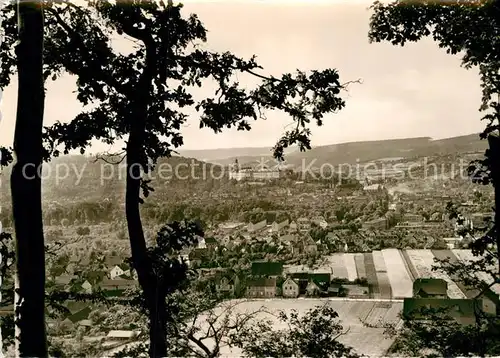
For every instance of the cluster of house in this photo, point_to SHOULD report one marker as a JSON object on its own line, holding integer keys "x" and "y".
{"x": 293, "y": 234}
{"x": 406, "y": 221}
{"x": 271, "y": 279}
{"x": 114, "y": 278}
{"x": 302, "y": 225}
{"x": 430, "y": 296}
{"x": 263, "y": 228}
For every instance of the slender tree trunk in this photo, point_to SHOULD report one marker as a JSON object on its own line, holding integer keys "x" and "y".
{"x": 142, "y": 263}
{"x": 26, "y": 183}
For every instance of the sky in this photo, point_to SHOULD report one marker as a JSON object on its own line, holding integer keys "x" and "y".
{"x": 412, "y": 91}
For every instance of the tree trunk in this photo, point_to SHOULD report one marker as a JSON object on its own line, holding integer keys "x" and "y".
{"x": 142, "y": 263}
{"x": 26, "y": 183}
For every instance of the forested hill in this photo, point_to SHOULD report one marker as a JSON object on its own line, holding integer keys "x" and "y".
{"x": 76, "y": 178}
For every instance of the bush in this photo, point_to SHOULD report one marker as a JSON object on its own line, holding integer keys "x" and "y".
{"x": 361, "y": 281}
{"x": 83, "y": 231}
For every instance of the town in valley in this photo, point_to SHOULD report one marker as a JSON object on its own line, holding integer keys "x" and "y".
{"x": 279, "y": 237}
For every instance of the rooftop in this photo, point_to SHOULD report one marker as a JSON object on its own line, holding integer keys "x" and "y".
{"x": 420, "y": 307}
{"x": 262, "y": 282}
{"x": 122, "y": 334}
{"x": 267, "y": 268}
{"x": 431, "y": 286}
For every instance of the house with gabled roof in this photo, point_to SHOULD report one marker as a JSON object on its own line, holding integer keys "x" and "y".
{"x": 313, "y": 288}
{"x": 303, "y": 225}
{"x": 307, "y": 281}
{"x": 491, "y": 302}
{"x": 489, "y": 298}
{"x": 118, "y": 271}
{"x": 261, "y": 288}
{"x": 323, "y": 278}
{"x": 227, "y": 283}
{"x": 278, "y": 227}
{"x": 253, "y": 227}
{"x": 290, "y": 288}
{"x": 201, "y": 243}
{"x": 78, "y": 311}
{"x": 267, "y": 268}
{"x": 87, "y": 287}
{"x": 430, "y": 288}
{"x": 307, "y": 245}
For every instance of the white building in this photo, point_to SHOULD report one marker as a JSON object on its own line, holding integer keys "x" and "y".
{"x": 266, "y": 174}
{"x": 121, "y": 334}
{"x": 451, "y": 242}
{"x": 87, "y": 287}
{"x": 240, "y": 175}
{"x": 290, "y": 288}
{"x": 116, "y": 272}
{"x": 201, "y": 243}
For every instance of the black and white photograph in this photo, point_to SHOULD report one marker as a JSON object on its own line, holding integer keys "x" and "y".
{"x": 249, "y": 178}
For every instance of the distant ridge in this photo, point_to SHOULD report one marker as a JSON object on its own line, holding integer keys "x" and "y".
{"x": 348, "y": 152}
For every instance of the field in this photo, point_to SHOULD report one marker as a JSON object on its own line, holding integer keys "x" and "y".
{"x": 412, "y": 271}
{"x": 371, "y": 275}
{"x": 359, "y": 259}
{"x": 370, "y": 341}
{"x": 390, "y": 272}
{"x": 401, "y": 283}
{"x": 378, "y": 261}
{"x": 350, "y": 264}
{"x": 337, "y": 264}
{"x": 384, "y": 285}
